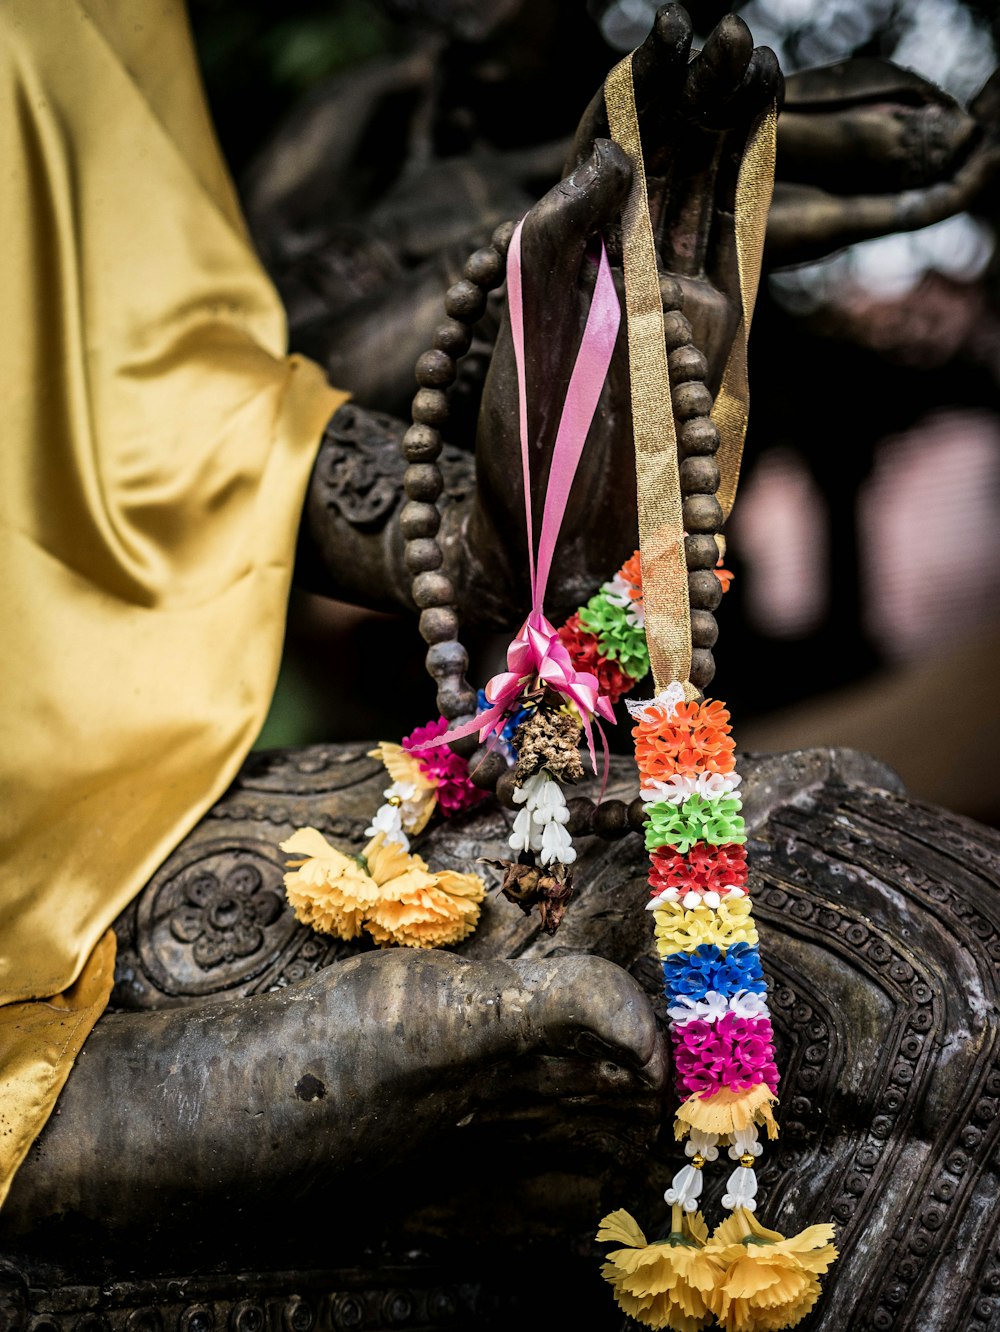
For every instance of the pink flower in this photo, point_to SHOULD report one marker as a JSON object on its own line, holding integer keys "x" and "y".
{"x": 734, "y": 1053}
{"x": 448, "y": 771}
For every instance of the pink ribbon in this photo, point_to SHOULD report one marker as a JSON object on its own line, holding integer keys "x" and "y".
{"x": 536, "y": 658}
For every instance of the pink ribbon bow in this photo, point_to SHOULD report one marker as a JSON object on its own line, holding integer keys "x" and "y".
{"x": 536, "y": 658}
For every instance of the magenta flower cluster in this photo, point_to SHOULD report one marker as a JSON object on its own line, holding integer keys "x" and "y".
{"x": 448, "y": 771}
{"x": 733, "y": 1053}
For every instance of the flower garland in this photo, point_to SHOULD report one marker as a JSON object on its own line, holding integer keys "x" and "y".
{"x": 745, "y": 1276}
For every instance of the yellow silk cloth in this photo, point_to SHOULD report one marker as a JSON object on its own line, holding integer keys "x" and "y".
{"x": 155, "y": 446}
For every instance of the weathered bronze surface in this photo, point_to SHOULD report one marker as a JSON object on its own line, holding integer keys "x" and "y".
{"x": 304, "y": 1119}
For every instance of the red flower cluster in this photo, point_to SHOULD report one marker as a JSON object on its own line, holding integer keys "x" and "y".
{"x": 704, "y": 868}
{"x": 585, "y": 655}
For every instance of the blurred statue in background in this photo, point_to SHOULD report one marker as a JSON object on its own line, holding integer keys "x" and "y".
{"x": 334, "y": 1136}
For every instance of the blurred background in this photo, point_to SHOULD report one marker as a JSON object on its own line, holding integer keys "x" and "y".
{"x": 865, "y": 539}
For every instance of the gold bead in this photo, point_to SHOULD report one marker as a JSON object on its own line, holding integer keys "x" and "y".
{"x": 697, "y": 1160}
{"x": 395, "y": 801}
{"x": 747, "y": 1159}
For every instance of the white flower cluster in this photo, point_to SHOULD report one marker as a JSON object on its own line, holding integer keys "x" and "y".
{"x": 667, "y": 699}
{"x": 618, "y": 592}
{"x": 400, "y": 812}
{"x": 744, "y": 1003}
{"x": 700, "y": 1143}
{"x": 679, "y": 786}
{"x": 540, "y": 823}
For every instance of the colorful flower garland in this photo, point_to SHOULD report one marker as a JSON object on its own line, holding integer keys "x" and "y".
{"x": 745, "y": 1276}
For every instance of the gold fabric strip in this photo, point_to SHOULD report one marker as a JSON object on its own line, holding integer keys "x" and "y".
{"x": 754, "y": 187}
{"x": 661, "y": 525}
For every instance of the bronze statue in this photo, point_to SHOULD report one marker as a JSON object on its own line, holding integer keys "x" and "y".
{"x": 273, "y": 1127}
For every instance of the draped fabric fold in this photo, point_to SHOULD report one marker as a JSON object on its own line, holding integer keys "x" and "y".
{"x": 156, "y": 446}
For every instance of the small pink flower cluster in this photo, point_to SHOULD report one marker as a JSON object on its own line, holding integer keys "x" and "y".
{"x": 446, "y": 770}
{"x": 734, "y": 1052}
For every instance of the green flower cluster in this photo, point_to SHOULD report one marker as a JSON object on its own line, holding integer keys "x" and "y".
{"x": 617, "y": 637}
{"x": 716, "y": 822}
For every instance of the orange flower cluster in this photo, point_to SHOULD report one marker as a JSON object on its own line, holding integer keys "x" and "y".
{"x": 696, "y": 739}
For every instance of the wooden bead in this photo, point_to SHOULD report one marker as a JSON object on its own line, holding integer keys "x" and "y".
{"x": 417, "y": 519}
{"x": 447, "y": 661}
{"x": 698, "y": 436}
{"x": 435, "y": 369}
{"x": 699, "y": 476}
{"x": 506, "y": 785}
{"x": 423, "y": 481}
{"x": 704, "y": 589}
{"x": 464, "y": 301}
{"x": 438, "y": 624}
{"x": 430, "y": 407}
{"x": 704, "y": 630}
{"x": 423, "y": 555}
{"x": 433, "y": 589}
{"x": 611, "y": 819}
{"x": 701, "y": 552}
{"x": 453, "y": 337}
{"x": 581, "y": 814}
{"x": 684, "y": 364}
{"x": 456, "y": 701}
{"x": 671, "y": 292}
{"x": 702, "y": 668}
{"x": 702, "y": 513}
{"x": 500, "y": 240}
{"x": 677, "y": 330}
{"x": 421, "y": 443}
{"x": 485, "y": 268}
{"x": 691, "y": 400}
{"x": 637, "y": 814}
{"x": 467, "y": 744}
{"x": 486, "y": 767}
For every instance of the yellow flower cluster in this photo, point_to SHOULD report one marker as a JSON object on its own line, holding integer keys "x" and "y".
{"x": 747, "y": 1277}
{"x": 727, "y": 1112}
{"x": 665, "y": 1284}
{"x": 387, "y": 891}
{"x": 682, "y": 930}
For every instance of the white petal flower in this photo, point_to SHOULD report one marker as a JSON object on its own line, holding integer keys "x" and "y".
{"x": 745, "y": 1143}
{"x": 700, "y": 1143}
{"x": 685, "y": 1188}
{"x": 668, "y": 895}
{"x": 714, "y": 785}
{"x": 528, "y": 793}
{"x": 557, "y": 845}
{"x": 711, "y": 899}
{"x": 692, "y": 900}
{"x": 388, "y": 821}
{"x": 520, "y": 837}
{"x": 741, "y": 1189}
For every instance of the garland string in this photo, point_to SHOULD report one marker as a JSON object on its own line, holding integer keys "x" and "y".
{"x": 745, "y": 1276}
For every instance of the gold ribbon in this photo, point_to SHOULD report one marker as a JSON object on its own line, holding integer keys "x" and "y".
{"x": 661, "y": 522}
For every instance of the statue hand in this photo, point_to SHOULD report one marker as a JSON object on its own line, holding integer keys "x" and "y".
{"x": 210, "y": 1113}
{"x": 866, "y": 148}
{"x": 695, "y": 116}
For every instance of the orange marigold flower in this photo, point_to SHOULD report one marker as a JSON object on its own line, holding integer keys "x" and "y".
{"x": 631, "y": 571}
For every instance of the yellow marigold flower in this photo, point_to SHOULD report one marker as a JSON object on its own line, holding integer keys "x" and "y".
{"x": 768, "y": 1282}
{"x": 727, "y": 1112}
{"x": 682, "y": 930}
{"x": 406, "y": 772}
{"x": 667, "y": 1284}
{"x": 328, "y": 890}
{"x": 415, "y": 907}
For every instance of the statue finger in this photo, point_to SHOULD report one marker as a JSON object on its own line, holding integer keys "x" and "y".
{"x": 659, "y": 69}
{"x": 717, "y": 71}
{"x": 557, "y": 229}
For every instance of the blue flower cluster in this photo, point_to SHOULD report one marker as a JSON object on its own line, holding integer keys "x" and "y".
{"x": 506, "y": 743}
{"x": 709, "y": 968}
